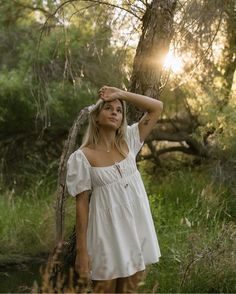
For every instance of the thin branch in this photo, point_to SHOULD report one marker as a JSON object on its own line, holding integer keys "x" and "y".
{"x": 34, "y": 8}
{"x": 169, "y": 150}
{"x": 81, "y": 9}
{"x": 203, "y": 55}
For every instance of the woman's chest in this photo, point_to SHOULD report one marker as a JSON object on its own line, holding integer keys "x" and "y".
{"x": 105, "y": 158}
{"x": 106, "y": 175}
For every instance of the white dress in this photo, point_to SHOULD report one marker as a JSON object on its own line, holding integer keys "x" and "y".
{"x": 121, "y": 237}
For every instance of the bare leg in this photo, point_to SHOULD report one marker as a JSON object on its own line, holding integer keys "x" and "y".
{"x": 104, "y": 286}
{"x": 129, "y": 284}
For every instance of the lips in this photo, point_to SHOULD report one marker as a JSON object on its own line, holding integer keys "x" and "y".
{"x": 113, "y": 119}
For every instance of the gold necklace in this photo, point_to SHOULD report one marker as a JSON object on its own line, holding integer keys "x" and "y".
{"x": 108, "y": 150}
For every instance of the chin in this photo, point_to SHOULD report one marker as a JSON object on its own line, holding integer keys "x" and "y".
{"x": 114, "y": 126}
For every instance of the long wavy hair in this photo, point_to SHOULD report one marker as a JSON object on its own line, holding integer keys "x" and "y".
{"x": 91, "y": 135}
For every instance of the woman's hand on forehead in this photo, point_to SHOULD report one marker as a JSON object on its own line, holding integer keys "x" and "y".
{"x": 110, "y": 93}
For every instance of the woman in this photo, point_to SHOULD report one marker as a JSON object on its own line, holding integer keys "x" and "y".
{"x": 115, "y": 234}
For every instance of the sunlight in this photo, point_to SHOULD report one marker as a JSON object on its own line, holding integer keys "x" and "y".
{"x": 174, "y": 63}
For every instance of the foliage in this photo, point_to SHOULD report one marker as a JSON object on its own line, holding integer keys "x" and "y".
{"x": 25, "y": 223}
{"x": 47, "y": 76}
{"x": 27, "y": 217}
{"x": 196, "y": 231}
{"x": 52, "y": 65}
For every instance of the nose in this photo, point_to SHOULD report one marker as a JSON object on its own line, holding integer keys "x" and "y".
{"x": 114, "y": 112}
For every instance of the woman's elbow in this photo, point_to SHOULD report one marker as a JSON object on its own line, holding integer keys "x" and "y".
{"x": 159, "y": 107}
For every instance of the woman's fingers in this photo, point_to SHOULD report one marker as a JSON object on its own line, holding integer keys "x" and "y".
{"x": 109, "y": 93}
{"x": 101, "y": 92}
{"x": 102, "y": 89}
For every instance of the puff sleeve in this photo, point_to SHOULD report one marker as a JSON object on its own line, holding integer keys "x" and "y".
{"x": 133, "y": 138}
{"x": 78, "y": 174}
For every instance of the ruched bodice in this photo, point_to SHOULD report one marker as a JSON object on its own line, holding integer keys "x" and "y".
{"x": 117, "y": 172}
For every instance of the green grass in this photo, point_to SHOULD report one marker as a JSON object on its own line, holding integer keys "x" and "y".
{"x": 194, "y": 216}
{"x": 27, "y": 224}
{"x": 196, "y": 232}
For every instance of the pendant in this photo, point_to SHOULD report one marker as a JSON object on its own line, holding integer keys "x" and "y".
{"x": 108, "y": 150}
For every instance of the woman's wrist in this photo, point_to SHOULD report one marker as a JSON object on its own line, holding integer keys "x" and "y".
{"x": 122, "y": 94}
{"x": 142, "y": 101}
{"x": 128, "y": 96}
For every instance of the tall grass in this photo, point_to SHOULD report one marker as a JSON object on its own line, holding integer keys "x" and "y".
{"x": 194, "y": 216}
{"x": 27, "y": 221}
{"x": 26, "y": 224}
{"x": 196, "y": 232}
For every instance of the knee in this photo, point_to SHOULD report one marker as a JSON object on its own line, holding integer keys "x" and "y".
{"x": 129, "y": 284}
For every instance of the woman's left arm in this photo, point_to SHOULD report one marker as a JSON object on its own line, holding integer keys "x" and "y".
{"x": 152, "y": 106}
{"x": 153, "y": 109}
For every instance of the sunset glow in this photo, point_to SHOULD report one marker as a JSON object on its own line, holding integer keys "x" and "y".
{"x": 174, "y": 63}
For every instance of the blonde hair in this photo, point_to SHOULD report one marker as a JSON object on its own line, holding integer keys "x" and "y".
{"x": 91, "y": 135}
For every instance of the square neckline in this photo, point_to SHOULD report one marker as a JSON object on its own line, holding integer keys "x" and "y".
{"x": 107, "y": 166}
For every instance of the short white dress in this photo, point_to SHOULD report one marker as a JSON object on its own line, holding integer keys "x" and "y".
{"x": 121, "y": 237}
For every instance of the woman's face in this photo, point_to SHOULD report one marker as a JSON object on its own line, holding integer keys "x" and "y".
{"x": 111, "y": 114}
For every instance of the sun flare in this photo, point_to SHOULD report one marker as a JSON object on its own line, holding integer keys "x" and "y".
{"x": 173, "y": 62}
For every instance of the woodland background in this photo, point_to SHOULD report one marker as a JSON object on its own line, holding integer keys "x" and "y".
{"x": 55, "y": 55}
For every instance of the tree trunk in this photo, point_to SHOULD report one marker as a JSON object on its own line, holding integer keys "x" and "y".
{"x": 229, "y": 52}
{"x": 157, "y": 32}
{"x": 148, "y": 79}
{"x": 69, "y": 147}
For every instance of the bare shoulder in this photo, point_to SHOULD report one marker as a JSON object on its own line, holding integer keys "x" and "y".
{"x": 87, "y": 148}
{"x": 89, "y": 152}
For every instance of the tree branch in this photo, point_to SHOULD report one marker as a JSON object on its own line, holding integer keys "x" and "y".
{"x": 68, "y": 148}
{"x": 168, "y": 150}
